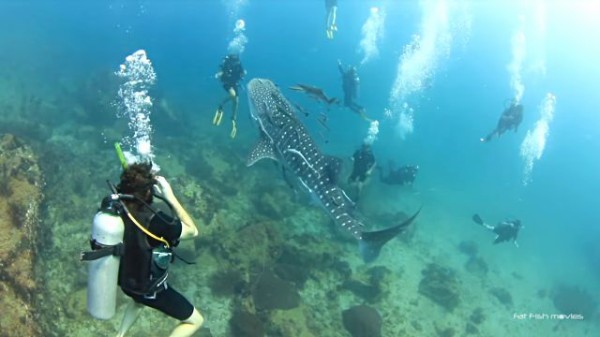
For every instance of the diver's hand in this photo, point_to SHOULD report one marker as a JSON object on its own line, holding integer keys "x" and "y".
{"x": 163, "y": 188}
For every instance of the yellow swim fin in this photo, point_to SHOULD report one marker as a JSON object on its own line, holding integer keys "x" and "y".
{"x": 218, "y": 116}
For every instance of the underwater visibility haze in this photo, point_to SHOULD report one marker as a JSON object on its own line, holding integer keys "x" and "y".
{"x": 431, "y": 166}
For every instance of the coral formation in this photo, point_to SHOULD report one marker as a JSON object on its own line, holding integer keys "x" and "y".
{"x": 245, "y": 324}
{"x": 228, "y": 282}
{"x": 469, "y": 248}
{"x": 21, "y": 195}
{"x": 271, "y": 292}
{"x": 362, "y": 321}
{"x": 503, "y": 296}
{"x": 571, "y": 299}
{"x": 477, "y": 317}
{"x": 476, "y": 265}
{"x": 440, "y": 284}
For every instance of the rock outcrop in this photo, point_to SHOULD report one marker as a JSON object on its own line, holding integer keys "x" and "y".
{"x": 20, "y": 196}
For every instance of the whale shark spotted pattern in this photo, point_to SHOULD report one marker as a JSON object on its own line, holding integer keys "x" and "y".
{"x": 285, "y": 139}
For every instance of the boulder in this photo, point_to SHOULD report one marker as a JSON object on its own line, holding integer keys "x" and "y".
{"x": 362, "y": 321}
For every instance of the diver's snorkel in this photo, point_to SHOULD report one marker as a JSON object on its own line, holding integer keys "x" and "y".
{"x": 120, "y": 155}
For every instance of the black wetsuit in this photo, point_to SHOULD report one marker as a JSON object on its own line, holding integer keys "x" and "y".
{"x": 350, "y": 85}
{"x": 507, "y": 230}
{"x": 511, "y": 118}
{"x": 363, "y": 163}
{"x": 404, "y": 175}
{"x": 232, "y": 72}
{"x": 139, "y": 276}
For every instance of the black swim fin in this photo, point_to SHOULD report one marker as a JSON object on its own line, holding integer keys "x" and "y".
{"x": 371, "y": 242}
{"x": 477, "y": 219}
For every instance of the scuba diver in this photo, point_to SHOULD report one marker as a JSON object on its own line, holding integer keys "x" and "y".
{"x": 401, "y": 176}
{"x": 362, "y": 167}
{"x": 505, "y": 231}
{"x": 350, "y": 84}
{"x": 230, "y": 75}
{"x": 141, "y": 249}
{"x": 331, "y": 27}
{"x": 511, "y": 118}
{"x": 143, "y": 270}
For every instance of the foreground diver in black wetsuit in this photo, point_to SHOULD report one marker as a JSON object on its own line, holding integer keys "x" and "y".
{"x": 511, "y": 118}
{"x": 350, "y": 85}
{"x": 404, "y": 175}
{"x": 362, "y": 167}
{"x": 505, "y": 231}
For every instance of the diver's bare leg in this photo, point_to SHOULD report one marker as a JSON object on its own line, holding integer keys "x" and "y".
{"x": 235, "y": 101}
{"x": 131, "y": 314}
{"x": 187, "y": 327}
{"x": 331, "y": 17}
{"x": 490, "y": 227}
{"x": 489, "y": 137}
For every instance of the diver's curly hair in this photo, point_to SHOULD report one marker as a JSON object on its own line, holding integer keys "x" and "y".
{"x": 137, "y": 179}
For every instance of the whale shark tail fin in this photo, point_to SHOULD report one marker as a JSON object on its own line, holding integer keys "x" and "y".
{"x": 371, "y": 242}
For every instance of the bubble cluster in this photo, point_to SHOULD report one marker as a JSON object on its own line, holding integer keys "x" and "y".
{"x": 372, "y": 32}
{"x": 372, "y": 134}
{"x": 238, "y": 43}
{"x": 420, "y": 60}
{"x": 534, "y": 143}
{"x": 135, "y": 103}
{"x": 515, "y": 67}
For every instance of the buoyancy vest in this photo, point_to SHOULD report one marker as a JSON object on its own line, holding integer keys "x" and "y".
{"x": 144, "y": 266}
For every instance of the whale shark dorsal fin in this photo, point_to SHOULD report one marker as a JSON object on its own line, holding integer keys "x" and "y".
{"x": 261, "y": 150}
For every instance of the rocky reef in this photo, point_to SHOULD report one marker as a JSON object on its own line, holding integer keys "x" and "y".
{"x": 20, "y": 198}
{"x": 441, "y": 285}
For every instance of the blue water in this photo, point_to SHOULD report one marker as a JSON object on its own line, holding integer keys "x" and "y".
{"x": 48, "y": 42}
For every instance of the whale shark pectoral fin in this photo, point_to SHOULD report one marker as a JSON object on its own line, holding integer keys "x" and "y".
{"x": 262, "y": 149}
{"x": 371, "y": 242}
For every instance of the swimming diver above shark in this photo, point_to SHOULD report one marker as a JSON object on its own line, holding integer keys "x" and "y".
{"x": 285, "y": 139}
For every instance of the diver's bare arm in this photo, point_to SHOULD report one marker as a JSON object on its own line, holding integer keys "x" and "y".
{"x": 189, "y": 229}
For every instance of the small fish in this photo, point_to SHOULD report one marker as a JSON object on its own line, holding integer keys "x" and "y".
{"x": 315, "y": 92}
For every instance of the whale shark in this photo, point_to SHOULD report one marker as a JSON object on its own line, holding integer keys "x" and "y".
{"x": 285, "y": 139}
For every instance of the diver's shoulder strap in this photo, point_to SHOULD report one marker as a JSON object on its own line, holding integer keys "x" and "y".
{"x": 99, "y": 251}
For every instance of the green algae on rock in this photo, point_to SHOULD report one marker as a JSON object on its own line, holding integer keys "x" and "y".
{"x": 21, "y": 193}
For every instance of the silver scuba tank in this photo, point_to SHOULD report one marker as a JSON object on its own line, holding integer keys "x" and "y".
{"x": 103, "y": 272}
